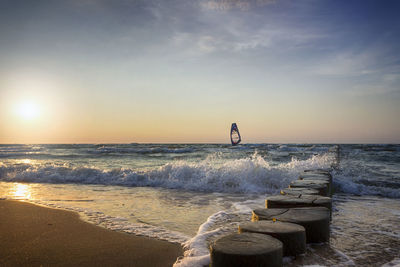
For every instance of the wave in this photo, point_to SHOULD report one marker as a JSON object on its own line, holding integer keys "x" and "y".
{"x": 247, "y": 175}
{"x": 143, "y": 150}
{"x": 196, "y": 251}
{"x": 373, "y": 173}
{"x": 10, "y": 151}
{"x": 57, "y": 150}
{"x": 359, "y": 186}
{"x": 19, "y": 148}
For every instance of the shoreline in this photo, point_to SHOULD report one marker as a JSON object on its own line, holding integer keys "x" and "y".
{"x": 35, "y": 235}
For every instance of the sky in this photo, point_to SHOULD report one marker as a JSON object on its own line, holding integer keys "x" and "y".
{"x": 166, "y": 71}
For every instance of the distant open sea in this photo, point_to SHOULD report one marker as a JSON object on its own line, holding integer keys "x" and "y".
{"x": 193, "y": 193}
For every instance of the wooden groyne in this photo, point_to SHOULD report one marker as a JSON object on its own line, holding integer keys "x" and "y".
{"x": 300, "y": 214}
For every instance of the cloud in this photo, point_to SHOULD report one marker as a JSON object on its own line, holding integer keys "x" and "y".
{"x": 244, "y": 5}
{"x": 382, "y": 85}
{"x": 237, "y": 33}
{"x": 371, "y": 72}
{"x": 342, "y": 64}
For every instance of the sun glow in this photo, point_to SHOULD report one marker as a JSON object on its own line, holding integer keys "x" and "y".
{"x": 28, "y": 110}
{"x": 21, "y": 191}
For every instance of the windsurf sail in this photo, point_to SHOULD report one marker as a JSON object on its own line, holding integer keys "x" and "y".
{"x": 235, "y": 135}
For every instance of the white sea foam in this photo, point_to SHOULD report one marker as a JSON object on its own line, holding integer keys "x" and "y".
{"x": 218, "y": 224}
{"x": 247, "y": 175}
{"x": 196, "y": 251}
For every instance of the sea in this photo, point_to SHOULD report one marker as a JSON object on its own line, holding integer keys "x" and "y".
{"x": 192, "y": 194}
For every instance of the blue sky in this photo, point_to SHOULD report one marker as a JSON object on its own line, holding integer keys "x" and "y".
{"x": 182, "y": 71}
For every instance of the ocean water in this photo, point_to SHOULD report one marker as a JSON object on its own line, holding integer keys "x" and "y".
{"x": 193, "y": 193}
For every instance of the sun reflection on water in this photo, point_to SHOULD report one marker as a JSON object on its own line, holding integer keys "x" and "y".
{"x": 21, "y": 191}
{"x": 25, "y": 161}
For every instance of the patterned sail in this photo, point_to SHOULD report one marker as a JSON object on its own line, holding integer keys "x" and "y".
{"x": 235, "y": 135}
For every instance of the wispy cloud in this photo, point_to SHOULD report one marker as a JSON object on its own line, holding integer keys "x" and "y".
{"x": 343, "y": 64}
{"x": 239, "y": 33}
{"x": 382, "y": 85}
{"x": 243, "y": 5}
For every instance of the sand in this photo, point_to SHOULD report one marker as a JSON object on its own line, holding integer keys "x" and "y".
{"x": 32, "y": 235}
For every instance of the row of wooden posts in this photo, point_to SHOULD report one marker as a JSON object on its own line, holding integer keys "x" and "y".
{"x": 301, "y": 214}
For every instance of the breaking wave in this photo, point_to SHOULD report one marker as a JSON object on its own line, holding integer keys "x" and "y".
{"x": 247, "y": 175}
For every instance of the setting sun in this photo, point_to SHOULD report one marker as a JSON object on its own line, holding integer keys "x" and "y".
{"x": 28, "y": 110}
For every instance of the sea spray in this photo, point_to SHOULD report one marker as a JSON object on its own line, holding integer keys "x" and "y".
{"x": 196, "y": 249}
{"x": 252, "y": 174}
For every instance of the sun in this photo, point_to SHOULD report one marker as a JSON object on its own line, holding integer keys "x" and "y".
{"x": 28, "y": 110}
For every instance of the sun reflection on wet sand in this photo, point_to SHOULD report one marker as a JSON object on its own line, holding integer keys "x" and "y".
{"x": 21, "y": 191}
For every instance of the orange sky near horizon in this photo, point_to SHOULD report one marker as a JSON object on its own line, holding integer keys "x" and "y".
{"x": 148, "y": 72}
{"x": 68, "y": 121}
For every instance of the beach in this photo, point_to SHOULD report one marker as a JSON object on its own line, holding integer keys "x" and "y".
{"x": 139, "y": 133}
{"x": 192, "y": 194}
{"x": 31, "y": 235}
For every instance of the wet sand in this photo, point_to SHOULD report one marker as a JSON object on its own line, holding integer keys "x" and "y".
{"x": 32, "y": 235}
